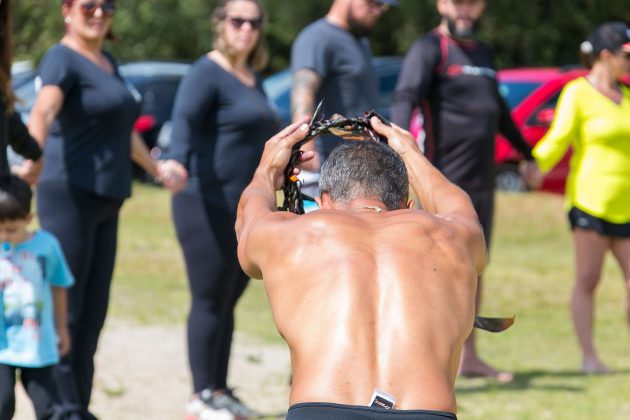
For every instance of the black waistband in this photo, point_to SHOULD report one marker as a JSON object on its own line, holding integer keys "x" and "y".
{"x": 332, "y": 411}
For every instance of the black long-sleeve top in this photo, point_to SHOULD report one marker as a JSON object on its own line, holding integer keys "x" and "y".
{"x": 14, "y": 133}
{"x": 456, "y": 88}
{"x": 220, "y": 127}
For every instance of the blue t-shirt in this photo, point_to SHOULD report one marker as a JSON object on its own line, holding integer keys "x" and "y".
{"x": 89, "y": 146}
{"x": 27, "y": 327}
{"x": 344, "y": 62}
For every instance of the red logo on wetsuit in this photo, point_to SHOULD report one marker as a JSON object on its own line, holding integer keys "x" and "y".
{"x": 466, "y": 70}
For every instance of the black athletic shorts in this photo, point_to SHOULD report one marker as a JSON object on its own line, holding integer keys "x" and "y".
{"x": 330, "y": 411}
{"x": 581, "y": 219}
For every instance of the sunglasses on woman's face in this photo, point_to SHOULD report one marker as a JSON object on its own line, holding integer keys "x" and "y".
{"x": 237, "y": 23}
{"x": 89, "y": 8}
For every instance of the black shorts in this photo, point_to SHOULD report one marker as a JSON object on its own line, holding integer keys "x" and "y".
{"x": 582, "y": 220}
{"x": 330, "y": 411}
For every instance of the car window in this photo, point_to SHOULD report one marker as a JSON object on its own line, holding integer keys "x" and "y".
{"x": 20, "y": 78}
{"x": 158, "y": 95}
{"x": 25, "y": 94}
{"x": 515, "y": 92}
{"x": 277, "y": 85}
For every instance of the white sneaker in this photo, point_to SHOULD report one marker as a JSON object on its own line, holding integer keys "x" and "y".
{"x": 198, "y": 409}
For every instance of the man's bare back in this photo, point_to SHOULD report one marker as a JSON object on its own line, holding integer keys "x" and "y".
{"x": 371, "y": 300}
{"x": 368, "y": 298}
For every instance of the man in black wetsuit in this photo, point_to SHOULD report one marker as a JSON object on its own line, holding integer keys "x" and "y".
{"x": 451, "y": 76}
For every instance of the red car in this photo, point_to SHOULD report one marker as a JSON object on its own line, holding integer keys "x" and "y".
{"x": 532, "y": 94}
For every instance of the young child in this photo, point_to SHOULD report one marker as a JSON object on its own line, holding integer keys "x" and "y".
{"x": 33, "y": 279}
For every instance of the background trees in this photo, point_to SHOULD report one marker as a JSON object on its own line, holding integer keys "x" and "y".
{"x": 522, "y": 32}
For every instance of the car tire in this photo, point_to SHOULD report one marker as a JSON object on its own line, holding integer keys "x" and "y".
{"x": 508, "y": 178}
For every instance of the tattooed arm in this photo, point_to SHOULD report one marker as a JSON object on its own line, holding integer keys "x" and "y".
{"x": 304, "y": 89}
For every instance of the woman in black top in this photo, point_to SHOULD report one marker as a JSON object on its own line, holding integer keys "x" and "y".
{"x": 221, "y": 120}
{"x": 84, "y": 115}
{"x": 12, "y": 130}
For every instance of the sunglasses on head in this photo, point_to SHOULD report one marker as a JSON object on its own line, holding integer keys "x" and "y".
{"x": 237, "y": 23}
{"x": 89, "y": 8}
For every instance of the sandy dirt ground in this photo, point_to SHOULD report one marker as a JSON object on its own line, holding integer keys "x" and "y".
{"x": 142, "y": 373}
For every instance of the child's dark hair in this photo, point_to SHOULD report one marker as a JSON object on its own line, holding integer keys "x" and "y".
{"x": 15, "y": 198}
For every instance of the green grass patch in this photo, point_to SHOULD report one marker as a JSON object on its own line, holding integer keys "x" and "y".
{"x": 150, "y": 285}
{"x": 530, "y": 275}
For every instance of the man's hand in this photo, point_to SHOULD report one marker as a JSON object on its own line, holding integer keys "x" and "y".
{"x": 314, "y": 164}
{"x": 398, "y": 139}
{"x": 278, "y": 151}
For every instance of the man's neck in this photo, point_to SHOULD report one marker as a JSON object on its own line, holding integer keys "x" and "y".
{"x": 361, "y": 204}
{"x": 336, "y": 20}
{"x": 443, "y": 29}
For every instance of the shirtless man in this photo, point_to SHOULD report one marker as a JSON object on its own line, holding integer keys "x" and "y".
{"x": 368, "y": 292}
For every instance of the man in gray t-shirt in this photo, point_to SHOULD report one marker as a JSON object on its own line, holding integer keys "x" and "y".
{"x": 331, "y": 59}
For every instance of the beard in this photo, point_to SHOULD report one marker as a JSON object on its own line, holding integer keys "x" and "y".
{"x": 358, "y": 28}
{"x": 462, "y": 33}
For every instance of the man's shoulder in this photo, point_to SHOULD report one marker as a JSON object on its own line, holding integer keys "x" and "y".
{"x": 331, "y": 220}
{"x": 432, "y": 37}
{"x": 320, "y": 25}
{"x": 483, "y": 48}
{"x": 427, "y": 44}
{"x": 321, "y": 31}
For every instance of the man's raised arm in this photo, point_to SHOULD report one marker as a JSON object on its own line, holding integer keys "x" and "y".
{"x": 259, "y": 197}
{"x": 437, "y": 194}
{"x": 304, "y": 86}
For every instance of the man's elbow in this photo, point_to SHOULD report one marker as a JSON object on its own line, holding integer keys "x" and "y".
{"x": 480, "y": 247}
{"x": 238, "y": 228}
{"x": 251, "y": 269}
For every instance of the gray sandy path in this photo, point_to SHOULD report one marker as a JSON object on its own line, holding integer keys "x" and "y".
{"x": 142, "y": 373}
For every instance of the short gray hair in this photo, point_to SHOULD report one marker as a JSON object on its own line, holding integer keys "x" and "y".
{"x": 368, "y": 170}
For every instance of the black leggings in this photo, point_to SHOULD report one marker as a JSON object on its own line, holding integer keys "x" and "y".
{"x": 86, "y": 226}
{"x": 206, "y": 235}
{"x": 39, "y": 386}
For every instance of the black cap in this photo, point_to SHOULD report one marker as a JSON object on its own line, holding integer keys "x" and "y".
{"x": 611, "y": 36}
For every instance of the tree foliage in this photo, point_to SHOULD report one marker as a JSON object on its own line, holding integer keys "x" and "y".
{"x": 523, "y": 33}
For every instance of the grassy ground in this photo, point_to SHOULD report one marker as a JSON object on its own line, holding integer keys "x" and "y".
{"x": 530, "y": 275}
